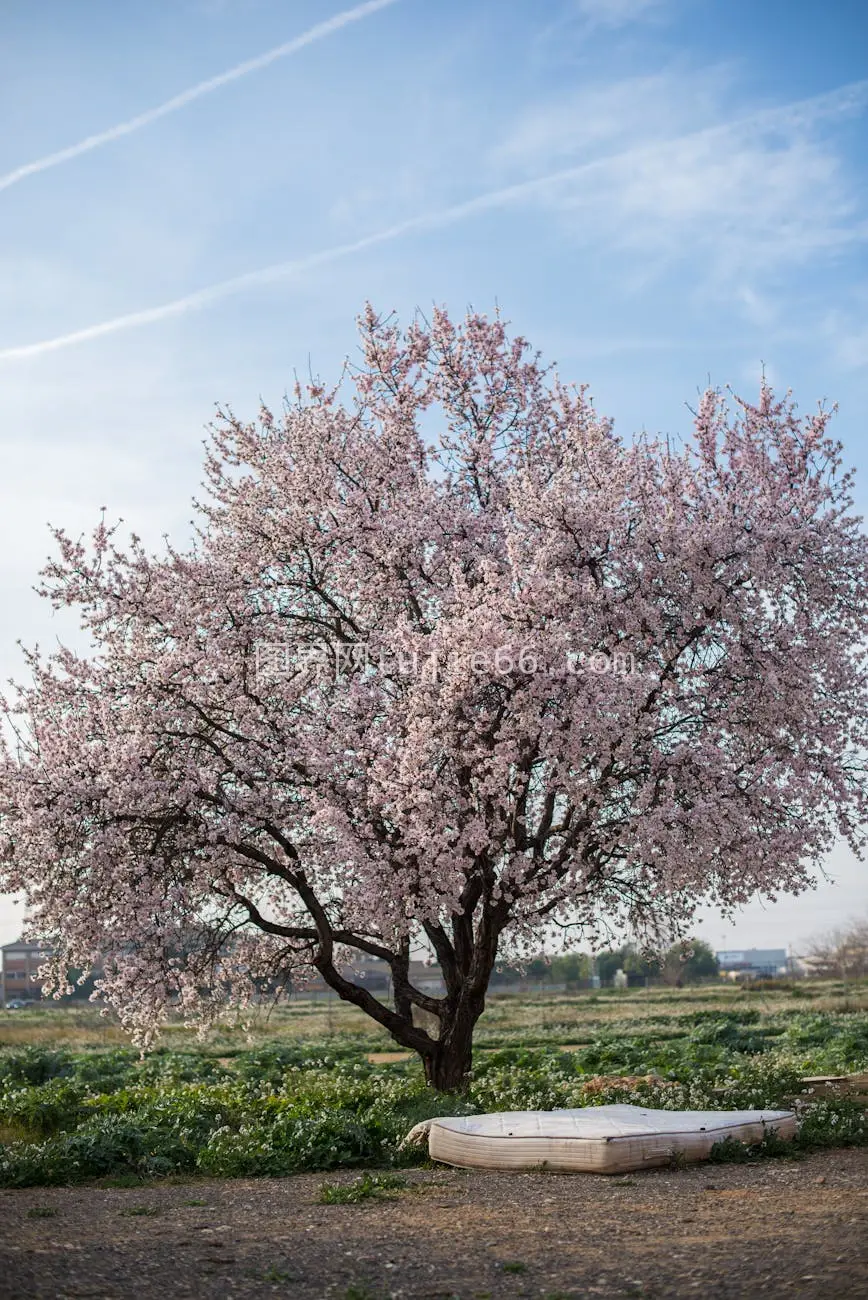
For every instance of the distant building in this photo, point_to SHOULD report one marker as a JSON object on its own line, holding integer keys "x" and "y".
{"x": 754, "y": 963}
{"x": 20, "y": 982}
{"x": 19, "y": 974}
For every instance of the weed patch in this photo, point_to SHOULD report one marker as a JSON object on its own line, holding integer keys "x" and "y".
{"x": 369, "y": 1187}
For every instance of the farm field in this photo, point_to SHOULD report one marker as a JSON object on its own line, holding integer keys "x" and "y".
{"x": 310, "y": 1086}
{"x": 115, "y": 1165}
{"x": 537, "y": 1016}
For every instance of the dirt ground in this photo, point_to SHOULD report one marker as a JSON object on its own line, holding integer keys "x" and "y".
{"x": 775, "y": 1228}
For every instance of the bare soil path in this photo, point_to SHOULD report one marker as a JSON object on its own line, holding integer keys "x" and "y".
{"x": 772, "y": 1229}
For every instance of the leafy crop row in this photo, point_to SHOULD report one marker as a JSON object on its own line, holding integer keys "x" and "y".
{"x": 322, "y": 1105}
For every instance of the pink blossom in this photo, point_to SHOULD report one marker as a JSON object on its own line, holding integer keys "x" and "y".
{"x": 201, "y": 828}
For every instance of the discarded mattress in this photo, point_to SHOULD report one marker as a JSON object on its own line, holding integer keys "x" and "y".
{"x": 594, "y": 1139}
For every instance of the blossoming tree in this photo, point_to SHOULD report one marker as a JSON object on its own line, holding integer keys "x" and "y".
{"x": 449, "y": 663}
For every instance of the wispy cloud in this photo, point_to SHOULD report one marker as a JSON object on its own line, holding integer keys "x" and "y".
{"x": 285, "y": 270}
{"x": 653, "y": 109}
{"x": 615, "y": 13}
{"x": 743, "y": 194}
{"x": 845, "y": 334}
{"x": 202, "y": 297}
{"x": 672, "y": 180}
{"x": 852, "y": 350}
{"x": 578, "y": 22}
{"x": 612, "y": 114}
{"x": 317, "y": 33}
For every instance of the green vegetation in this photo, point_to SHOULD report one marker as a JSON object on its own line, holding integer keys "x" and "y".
{"x": 298, "y": 1102}
{"x": 275, "y": 1274}
{"x": 370, "y": 1187}
{"x": 689, "y": 961}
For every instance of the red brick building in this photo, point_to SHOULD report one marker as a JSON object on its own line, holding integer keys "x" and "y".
{"x": 19, "y": 973}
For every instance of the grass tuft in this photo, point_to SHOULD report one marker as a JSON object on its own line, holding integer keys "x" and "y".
{"x": 369, "y": 1187}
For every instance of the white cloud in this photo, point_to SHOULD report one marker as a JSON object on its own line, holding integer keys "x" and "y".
{"x": 579, "y": 22}
{"x": 744, "y": 195}
{"x": 617, "y": 13}
{"x": 625, "y": 113}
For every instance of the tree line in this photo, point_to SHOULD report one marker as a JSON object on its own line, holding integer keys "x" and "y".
{"x": 687, "y": 961}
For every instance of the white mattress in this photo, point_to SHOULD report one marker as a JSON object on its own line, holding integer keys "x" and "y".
{"x": 597, "y": 1139}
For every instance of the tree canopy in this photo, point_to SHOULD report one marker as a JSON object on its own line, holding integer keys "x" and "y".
{"x": 689, "y": 960}
{"x": 447, "y": 662}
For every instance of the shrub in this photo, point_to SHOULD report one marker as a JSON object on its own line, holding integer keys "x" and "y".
{"x": 47, "y": 1108}
{"x": 291, "y": 1144}
{"x": 731, "y": 1151}
{"x": 103, "y": 1145}
{"x": 105, "y": 1071}
{"x": 34, "y": 1065}
{"x": 832, "y": 1122}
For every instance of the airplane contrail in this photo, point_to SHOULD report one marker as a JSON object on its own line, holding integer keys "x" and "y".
{"x": 317, "y": 33}
{"x": 284, "y": 270}
{"x": 845, "y": 99}
{"x": 191, "y": 301}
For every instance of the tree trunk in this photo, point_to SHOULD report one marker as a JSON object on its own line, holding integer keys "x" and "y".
{"x": 447, "y": 1067}
{"x": 447, "y": 1071}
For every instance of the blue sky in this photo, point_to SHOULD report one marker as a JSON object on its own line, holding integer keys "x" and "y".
{"x": 656, "y": 192}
